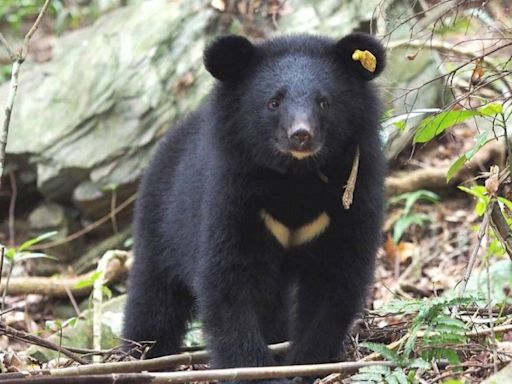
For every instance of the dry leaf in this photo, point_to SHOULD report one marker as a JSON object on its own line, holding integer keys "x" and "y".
{"x": 413, "y": 56}
{"x": 219, "y": 5}
{"x": 401, "y": 252}
{"x": 492, "y": 183}
{"x": 478, "y": 72}
{"x": 183, "y": 82}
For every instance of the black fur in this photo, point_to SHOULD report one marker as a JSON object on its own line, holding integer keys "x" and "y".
{"x": 201, "y": 245}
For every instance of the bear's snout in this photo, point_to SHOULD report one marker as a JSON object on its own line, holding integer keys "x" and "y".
{"x": 300, "y": 137}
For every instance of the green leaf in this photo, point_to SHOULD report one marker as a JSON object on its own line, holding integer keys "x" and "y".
{"x": 34, "y": 255}
{"x": 71, "y": 322}
{"x": 491, "y": 109}
{"x": 10, "y": 254}
{"x": 411, "y": 341}
{"x": 397, "y": 306}
{"x": 106, "y": 292}
{"x": 404, "y": 222}
{"x": 398, "y": 376}
{"x": 477, "y": 191}
{"x": 383, "y": 350}
{"x": 371, "y": 374}
{"x": 457, "y": 165}
{"x": 400, "y": 125}
{"x": 87, "y": 282}
{"x": 442, "y": 353}
{"x": 412, "y": 197}
{"x": 419, "y": 363}
{"x": 480, "y": 193}
{"x": 433, "y": 126}
{"x": 27, "y": 244}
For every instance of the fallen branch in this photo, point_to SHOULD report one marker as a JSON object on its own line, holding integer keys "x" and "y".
{"x": 230, "y": 374}
{"x": 435, "y": 177}
{"x": 58, "y": 286}
{"x": 155, "y": 364}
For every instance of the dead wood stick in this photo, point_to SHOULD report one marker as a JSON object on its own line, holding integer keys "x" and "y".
{"x": 348, "y": 195}
{"x": 230, "y": 374}
{"x": 435, "y": 177}
{"x": 58, "y": 286}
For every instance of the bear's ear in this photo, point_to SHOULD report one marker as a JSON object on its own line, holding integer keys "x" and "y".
{"x": 361, "y": 54}
{"x": 227, "y": 57}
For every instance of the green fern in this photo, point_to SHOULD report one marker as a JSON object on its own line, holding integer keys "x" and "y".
{"x": 440, "y": 332}
{"x": 377, "y": 374}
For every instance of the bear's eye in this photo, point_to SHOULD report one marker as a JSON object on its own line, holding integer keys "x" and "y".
{"x": 324, "y": 104}
{"x": 273, "y": 104}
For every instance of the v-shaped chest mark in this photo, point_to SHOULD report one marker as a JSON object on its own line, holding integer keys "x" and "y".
{"x": 298, "y": 236}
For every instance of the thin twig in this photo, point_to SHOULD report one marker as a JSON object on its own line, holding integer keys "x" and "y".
{"x": 32, "y": 339}
{"x": 491, "y": 319}
{"x": 7, "y": 47}
{"x": 4, "y": 292}
{"x": 2, "y": 255}
{"x": 12, "y": 208}
{"x": 474, "y": 253}
{"x": 34, "y": 27}
{"x": 8, "y": 112}
{"x": 71, "y": 297}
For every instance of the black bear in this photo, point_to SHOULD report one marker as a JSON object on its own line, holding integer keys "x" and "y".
{"x": 239, "y": 218}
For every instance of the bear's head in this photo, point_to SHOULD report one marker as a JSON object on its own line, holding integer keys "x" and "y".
{"x": 295, "y": 102}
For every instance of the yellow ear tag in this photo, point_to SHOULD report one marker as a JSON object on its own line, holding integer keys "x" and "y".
{"x": 367, "y": 59}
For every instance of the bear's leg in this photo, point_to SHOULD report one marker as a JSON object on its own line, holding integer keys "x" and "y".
{"x": 231, "y": 302}
{"x": 158, "y": 311}
{"x": 327, "y": 303}
{"x": 274, "y": 317}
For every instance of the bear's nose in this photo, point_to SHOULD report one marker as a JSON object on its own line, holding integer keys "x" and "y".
{"x": 301, "y": 137}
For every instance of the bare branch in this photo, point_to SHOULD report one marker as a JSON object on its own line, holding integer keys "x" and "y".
{"x": 34, "y": 27}
{"x": 8, "y": 48}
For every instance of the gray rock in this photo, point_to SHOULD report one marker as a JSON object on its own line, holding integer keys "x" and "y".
{"x": 49, "y": 217}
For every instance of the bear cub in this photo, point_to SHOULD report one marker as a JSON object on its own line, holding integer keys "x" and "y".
{"x": 239, "y": 219}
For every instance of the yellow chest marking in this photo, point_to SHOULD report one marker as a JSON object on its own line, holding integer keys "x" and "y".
{"x": 294, "y": 237}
